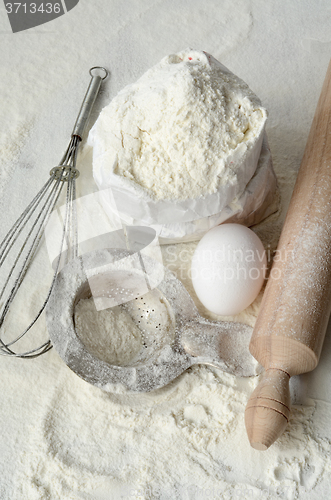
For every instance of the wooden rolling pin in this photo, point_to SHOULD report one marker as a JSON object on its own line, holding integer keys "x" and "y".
{"x": 291, "y": 325}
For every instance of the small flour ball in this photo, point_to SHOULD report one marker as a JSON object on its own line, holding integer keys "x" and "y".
{"x": 110, "y": 334}
{"x": 228, "y": 269}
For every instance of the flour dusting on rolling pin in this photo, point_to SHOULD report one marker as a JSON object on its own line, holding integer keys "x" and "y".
{"x": 291, "y": 325}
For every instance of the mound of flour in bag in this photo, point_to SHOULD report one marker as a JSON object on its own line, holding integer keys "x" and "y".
{"x": 182, "y": 130}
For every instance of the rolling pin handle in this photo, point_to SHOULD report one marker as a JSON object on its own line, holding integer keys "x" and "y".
{"x": 268, "y": 409}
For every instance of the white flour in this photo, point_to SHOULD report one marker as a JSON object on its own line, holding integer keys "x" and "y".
{"x": 186, "y": 441}
{"x": 63, "y": 439}
{"x": 120, "y": 334}
{"x": 111, "y": 334}
{"x": 182, "y": 129}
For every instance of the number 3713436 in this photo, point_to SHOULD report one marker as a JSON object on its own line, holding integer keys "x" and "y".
{"x": 33, "y": 8}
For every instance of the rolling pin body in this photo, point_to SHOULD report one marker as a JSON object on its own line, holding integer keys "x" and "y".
{"x": 291, "y": 325}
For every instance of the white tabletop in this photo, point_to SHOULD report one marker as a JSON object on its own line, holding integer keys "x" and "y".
{"x": 60, "y": 437}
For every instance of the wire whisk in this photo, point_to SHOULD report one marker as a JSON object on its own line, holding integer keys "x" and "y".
{"x": 25, "y": 235}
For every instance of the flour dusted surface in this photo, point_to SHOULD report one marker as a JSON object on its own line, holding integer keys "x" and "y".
{"x": 63, "y": 439}
{"x": 186, "y": 441}
{"x": 174, "y": 132}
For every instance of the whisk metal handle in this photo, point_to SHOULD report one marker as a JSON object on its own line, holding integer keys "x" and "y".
{"x": 89, "y": 100}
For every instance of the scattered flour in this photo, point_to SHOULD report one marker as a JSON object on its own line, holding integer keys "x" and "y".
{"x": 186, "y": 441}
{"x": 182, "y": 129}
{"x": 110, "y": 334}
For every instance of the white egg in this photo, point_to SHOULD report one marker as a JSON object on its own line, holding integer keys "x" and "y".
{"x": 228, "y": 269}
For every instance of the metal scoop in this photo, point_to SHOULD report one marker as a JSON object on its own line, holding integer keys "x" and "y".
{"x": 174, "y": 335}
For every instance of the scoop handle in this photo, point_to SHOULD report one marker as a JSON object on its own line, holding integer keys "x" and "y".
{"x": 292, "y": 321}
{"x": 222, "y": 344}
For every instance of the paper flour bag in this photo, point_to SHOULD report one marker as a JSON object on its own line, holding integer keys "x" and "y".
{"x": 181, "y": 150}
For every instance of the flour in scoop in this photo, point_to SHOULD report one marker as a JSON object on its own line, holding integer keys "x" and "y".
{"x": 182, "y": 130}
{"x": 110, "y": 334}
